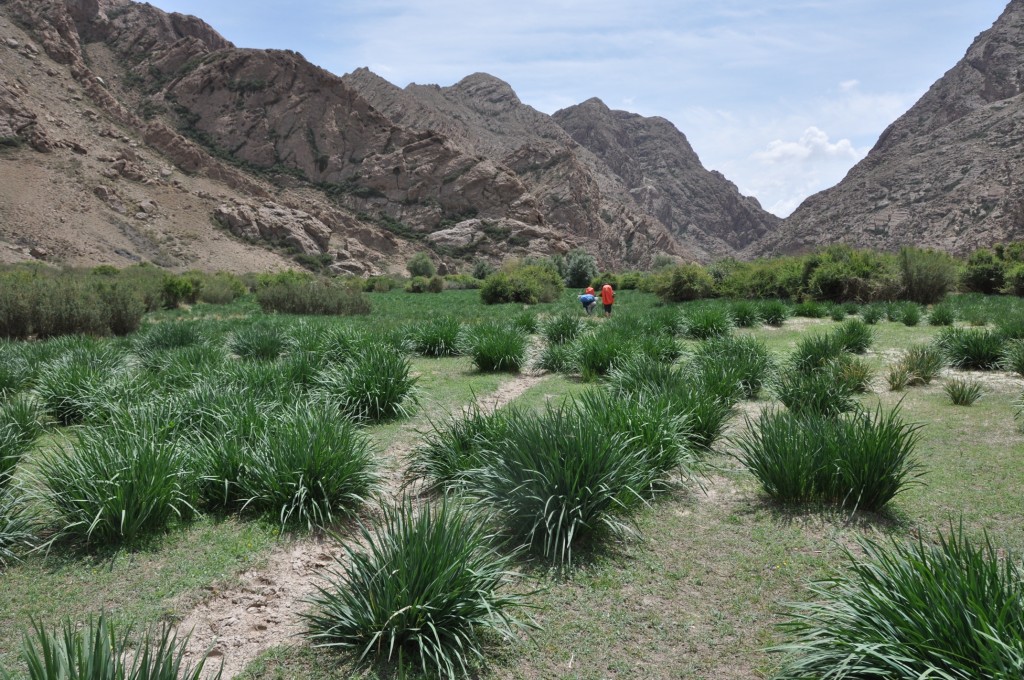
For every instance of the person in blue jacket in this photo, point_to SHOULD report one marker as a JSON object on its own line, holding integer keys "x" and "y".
{"x": 588, "y": 300}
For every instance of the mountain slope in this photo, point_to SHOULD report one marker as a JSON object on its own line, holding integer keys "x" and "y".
{"x": 946, "y": 174}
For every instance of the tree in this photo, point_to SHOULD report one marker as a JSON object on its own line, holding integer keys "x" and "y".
{"x": 580, "y": 267}
{"x": 421, "y": 265}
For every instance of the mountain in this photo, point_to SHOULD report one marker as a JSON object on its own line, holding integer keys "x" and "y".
{"x": 947, "y": 174}
{"x": 130, "y": 134}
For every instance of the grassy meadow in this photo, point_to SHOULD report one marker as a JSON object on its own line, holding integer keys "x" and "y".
{"x": 148, "y": 473}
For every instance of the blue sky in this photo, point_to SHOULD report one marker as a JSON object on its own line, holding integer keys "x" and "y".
{"x": 782, "y": 97}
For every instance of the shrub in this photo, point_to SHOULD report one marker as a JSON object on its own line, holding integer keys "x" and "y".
{"x": 859, "y": 462}
{"x": 221, "y": 288}
{"x": 745, "y": 360}
{"x": 706, "y": 321}
{"x": 972, "y": 348}
{"x": 579, "y": 268}
{"x": 436, "y": 284}
{"x": 170, "y": 335}
{"x": 984, "y": 273}
{"x": 526, "y": 321}
{"x": 926, "y": 275}
{"x": 496, "y": 347}
{"x": 527, "y": 284}
{"x": 1014, "y": 280}
{"x": 122, "y": 307}
{"x": 420, "y": 265}
{"x": 417, "y": 284}
{"x": 421, "y": 588}
{"x": 684, "y": 283}
{"x": 951, "y": 610}
{"x": 855, "y": 336}
{"x": 179, "y": 289}
{"x": 563, "y": 327}
{"x": 745, "y": 314}
{"x": 558, "y": 482}
{"x": 773, "y": 312}
{"x": 119, "y": 482}
{"x": 259, "y": 341}
{"x": 311, "y": 466}
{"x": 962, "y": 392}
{"x": 97, "y": 651}
{"x": 373, "y": 386}
{"x": 482, "y": 269}
{"x": 942, "y": 315}
{"x": 322, "y": 296}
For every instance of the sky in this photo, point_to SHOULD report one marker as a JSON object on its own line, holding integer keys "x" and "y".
{"x": 783, "y": 97}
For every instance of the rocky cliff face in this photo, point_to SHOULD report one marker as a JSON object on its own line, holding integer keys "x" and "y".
{"x": 656, "y": 164}
{"x": 946, "y": 174}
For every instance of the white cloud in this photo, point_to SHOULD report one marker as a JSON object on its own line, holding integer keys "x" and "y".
{"x": 848, "y": 85}
{"x": 813, "y": 145}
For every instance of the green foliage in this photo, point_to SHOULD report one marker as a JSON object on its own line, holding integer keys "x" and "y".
{"x": 852, "y": 371}
{"x": 379, "y": 284}
{"x": 598, "y": 352}
{"x": 562, "y": 358}
{"x": 816, "y": 392}
{"x": 420, "y": 265}
{"x": 527, "y": 284}
{"x": 436, "y": 284}
{"x": 871, "y": 314}
{"x": 746, "y": 314}
{"x": 855, "y": 336}
{"x": 563, "y": 327}
{"x": 119, "y": 482}
{"x": 420, "y": 589}
{"x": 221, "y": 288}
{"x": 97, "y": 651}
{"x": 17, "y": 527}
{"x": 438, "y": 337}
{"x": 311, "y": 466}
{"x": 984, "y": 273}
{"x": 972, "y": 348}
{"x": 910, "y": 314}
{"x": 926, "y": 275}
{"x": 21, "y": 423}
{"x": 816, "y": 352}
{"x": 962, "y": 392}
{"x": 259, "y": 341}
{"x": 859, "y": 462}
{"x": 684, "y": 283}
{"x": 579, "y": 268}
{"x": 374, "y": 385}
{"x": 942, "y": 315}
{"x": 773, "y": 312}
{"x": 701, "y": 322}
{"x": 417, "y": 284}
{"x": 482, "y": 269}
{"x": 495, "y": 346}
{"x": 72, "y": 386}
{"x": 810, "y": 309}
{"x": 320, "y": 296}
{"x": 745, "y": 361}
{"x": 905, "y": 611}
{"x": 922, "y": 363}
{"x": 1014, "y": 280}
{"x": 1013, "y": 357}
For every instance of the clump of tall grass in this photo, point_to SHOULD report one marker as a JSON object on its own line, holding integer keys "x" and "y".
{"x": 170, "y": 335}
{"x": 17, "y": 527}
{"x": 562, "y": 328}
{"x": 118, "y": 482}
{"x": 910, "y": 314}
{"x": 15, "y": 369}
{"x": 260, "y": 342}
{"x": 322, "y": 296}
{"x": 309, "y": 466}
{"x": 423, "y": 586}
{"x": 97, "y": 651}
{"x": 181, "y": 367}
{"x": 373, "y": 386}
{"x": 872, "y": 314}
{"x": 809, "y": 309}
{"x": 21, "y": 423}
{"x": 912, "y": 610}
{"x": 458, "y": 444}
{"x": 856, "y": 462}
{"x": 923, "y": 363}
{"x": 662, "y": 348}
{"x": 773, "y": 312}
{"x": 701, "y": 322}
{"x": 437, "y": 337}
{"x": 942, "y": 315}
{"x": 898, "y": 376}
{"x": 852, "y": 371}
{"x": 853, "y": 335}
{"x": 600, "y": 351}
{"x": 558, "y": 358}
{"x": 745, "y": 314}
{"x": 526, "y": 321}
{"x": 1011, "y": 326}
{"x": 496, "y": 347}
{"x": 837, "y": 313}
{"x": 1013, "y": 357}
{"x": 560, "y": 482}
{"x": 962, "y": 392}
{"x": 972, "y": 348}
{"x": 816, "y": 352}
{"x": 744, "y": 360}
{"x": 72, "y": 386}
{"x": 816, "y": 392}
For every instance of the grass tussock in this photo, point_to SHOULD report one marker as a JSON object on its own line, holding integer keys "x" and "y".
{"x": 497, "y": 347}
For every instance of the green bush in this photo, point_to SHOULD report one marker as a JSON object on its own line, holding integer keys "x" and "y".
{"x": 323, "y": 297}
{"x": 461, "y": 282}
{"x": 908, "y": 611}
{"x": 311, "y": 467}
{"x": 417, "y": 284}
{"x": 119, "y": 482}
{"x": 927, "y": 275}
{"x": 420, "y": 589}
{"x": 810, "y": 310}
{"x": 852, "y": 371}
{"x": 72, "y": 386}
{"x": 179, "y": 289}
{"x": 562, "y": 358}
{"x": 482, "y": 269}
{"x": 598, "y": 352}
{"x": 526, "y": 284}
{"x": 17, "y": 527}
{"x": 859, "y": 462}
{"x": 984, "y": 273}
{"x": 579, "y": 269}
{"x": 910, "y": 314}
{"x": 421, "y": 266}
{"x": 1013, "y": 357}
{"x": 684, "y": 283}
{"x": 97, "y": 651}
{"x": 21, "y": 423}
{"x": 374, "y": 385}
{"x": 816, "y": 352}
{"x": 1014, "y": 280}
{"x": 221, "y": 288}
{"x": 496, "y": 346}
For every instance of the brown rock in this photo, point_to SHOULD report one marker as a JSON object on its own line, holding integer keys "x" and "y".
{"x": 276, "y": 224}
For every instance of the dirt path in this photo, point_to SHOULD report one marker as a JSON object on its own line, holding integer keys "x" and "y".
{"x": 263, "y": 609}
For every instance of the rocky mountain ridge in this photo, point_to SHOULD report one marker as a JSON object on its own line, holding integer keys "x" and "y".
{"x": 134, "y": 134}
{"x": 945, "y": 175}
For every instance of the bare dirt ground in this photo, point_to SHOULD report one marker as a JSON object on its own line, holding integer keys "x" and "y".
{"x": 262, "y": 607}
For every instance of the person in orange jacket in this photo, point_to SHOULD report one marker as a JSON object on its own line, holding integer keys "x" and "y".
{"x": 608, "y": 298}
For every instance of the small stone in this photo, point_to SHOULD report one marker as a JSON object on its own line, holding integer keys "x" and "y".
{"x": 12, "y": 43}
